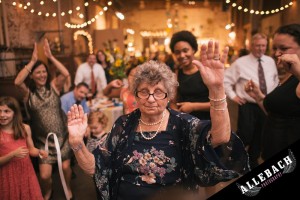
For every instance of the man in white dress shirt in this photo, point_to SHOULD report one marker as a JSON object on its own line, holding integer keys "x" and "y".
{"x": 83, "y": 74}
{"x": 250, "y": 116}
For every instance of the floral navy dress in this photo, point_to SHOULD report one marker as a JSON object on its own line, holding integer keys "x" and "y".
{"x": 131, "y": 167}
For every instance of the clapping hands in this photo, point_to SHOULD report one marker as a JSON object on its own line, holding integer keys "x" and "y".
{"x": 47, "y": 49}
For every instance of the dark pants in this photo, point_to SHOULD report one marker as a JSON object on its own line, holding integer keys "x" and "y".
{"x": 251, "y": 120}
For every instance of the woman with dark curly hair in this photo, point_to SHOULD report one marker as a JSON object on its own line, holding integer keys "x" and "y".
{"x": 192, "y": 93}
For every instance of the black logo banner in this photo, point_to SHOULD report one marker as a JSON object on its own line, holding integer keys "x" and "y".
{"x": 275, "y": 177}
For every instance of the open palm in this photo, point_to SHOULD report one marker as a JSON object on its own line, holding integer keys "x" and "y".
{"x": 47, "y": 49}
{"x": 34, "y": 56}
{"x": 77, "y": 123}
{"x": 211, "y": 65}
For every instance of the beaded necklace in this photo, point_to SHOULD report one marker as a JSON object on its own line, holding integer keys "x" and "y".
{"x": 152, "y": 124}
{"x": 155, "y": 134}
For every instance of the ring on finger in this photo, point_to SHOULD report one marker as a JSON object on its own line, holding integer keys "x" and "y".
{"x": 216, "y": 58}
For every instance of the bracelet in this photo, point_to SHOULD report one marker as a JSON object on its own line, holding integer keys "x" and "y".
{"x": 223, "y": 99}
{"x": 75, "y": 149}
{"x": 29, "y": 71}
{"x": 218, "y": 109}
{"x": 214, "y": 103}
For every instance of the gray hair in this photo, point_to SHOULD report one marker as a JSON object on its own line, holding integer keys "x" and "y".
{"x": 258, "y": 36}
{"x": 153, "y": 72}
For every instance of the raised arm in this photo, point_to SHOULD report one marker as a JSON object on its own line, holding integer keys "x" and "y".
{"x": 77, "y": 125}
{"x": 61, "y": 68}
{"x": 211, "y": 68}
{"x": 113, "y": 89}
{"x": 22, "y": 75}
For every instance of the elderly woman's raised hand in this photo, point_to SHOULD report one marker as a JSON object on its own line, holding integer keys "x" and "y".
{"x": 77, "y": 124}
{"x": 47, "y": 49}
{"x": 211, "y": 65}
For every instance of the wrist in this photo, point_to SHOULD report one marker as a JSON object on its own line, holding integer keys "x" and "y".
{"x": 51, "y": 57}
{"x": 27, "y": 69}
{"x": 217, "y": 94}
{"x": 77, "y": 147}
{"x": 75, "y": 141}
{"x": 260, "y": 98}
{"x": 31, "y": 63}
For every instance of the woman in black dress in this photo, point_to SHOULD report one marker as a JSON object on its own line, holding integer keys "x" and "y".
{"x": 192, "y": 93}
{"x": 282, "y": 105}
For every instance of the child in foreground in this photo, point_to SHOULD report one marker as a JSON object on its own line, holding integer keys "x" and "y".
{"x": 96, "y": 135}
{"x": 18, "y": 179}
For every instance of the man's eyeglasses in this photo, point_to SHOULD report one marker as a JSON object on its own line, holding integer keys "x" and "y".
{"x": 158, "y": 95}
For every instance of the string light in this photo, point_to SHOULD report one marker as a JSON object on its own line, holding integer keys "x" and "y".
{"x": 42, "y": 3}
{"x": 88, "y": 36}
{"x": 261, "y": 12}
{"x": 153, "y": 33}
{"x": 92, "y": 20}
{"x": 130, "y": 31}
{"x": 229, "y": 26}
{"x": 120, "y": 15}
{"x": 70, "y": 11}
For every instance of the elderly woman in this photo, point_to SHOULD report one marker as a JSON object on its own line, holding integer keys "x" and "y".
{"x": 154, "y": 146}
{"x": 282, "y": 105}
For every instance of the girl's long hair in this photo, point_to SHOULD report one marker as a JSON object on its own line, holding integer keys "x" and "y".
{"x": 17, "y": 122}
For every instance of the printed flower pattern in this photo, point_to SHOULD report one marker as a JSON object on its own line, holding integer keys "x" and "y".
{"x": 152, "y": 164}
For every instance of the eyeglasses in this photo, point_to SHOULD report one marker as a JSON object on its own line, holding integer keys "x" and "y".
{"x": 157, "y": 95}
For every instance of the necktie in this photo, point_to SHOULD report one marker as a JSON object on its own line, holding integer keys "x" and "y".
{"x": 261, "y": 78}
{"x": 93, "y": 83}
{"x": 78, "y": 102}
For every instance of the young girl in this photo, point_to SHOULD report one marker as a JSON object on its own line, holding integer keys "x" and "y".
{"x": 96, "y": 134}
{"x": 18, "y": 179}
